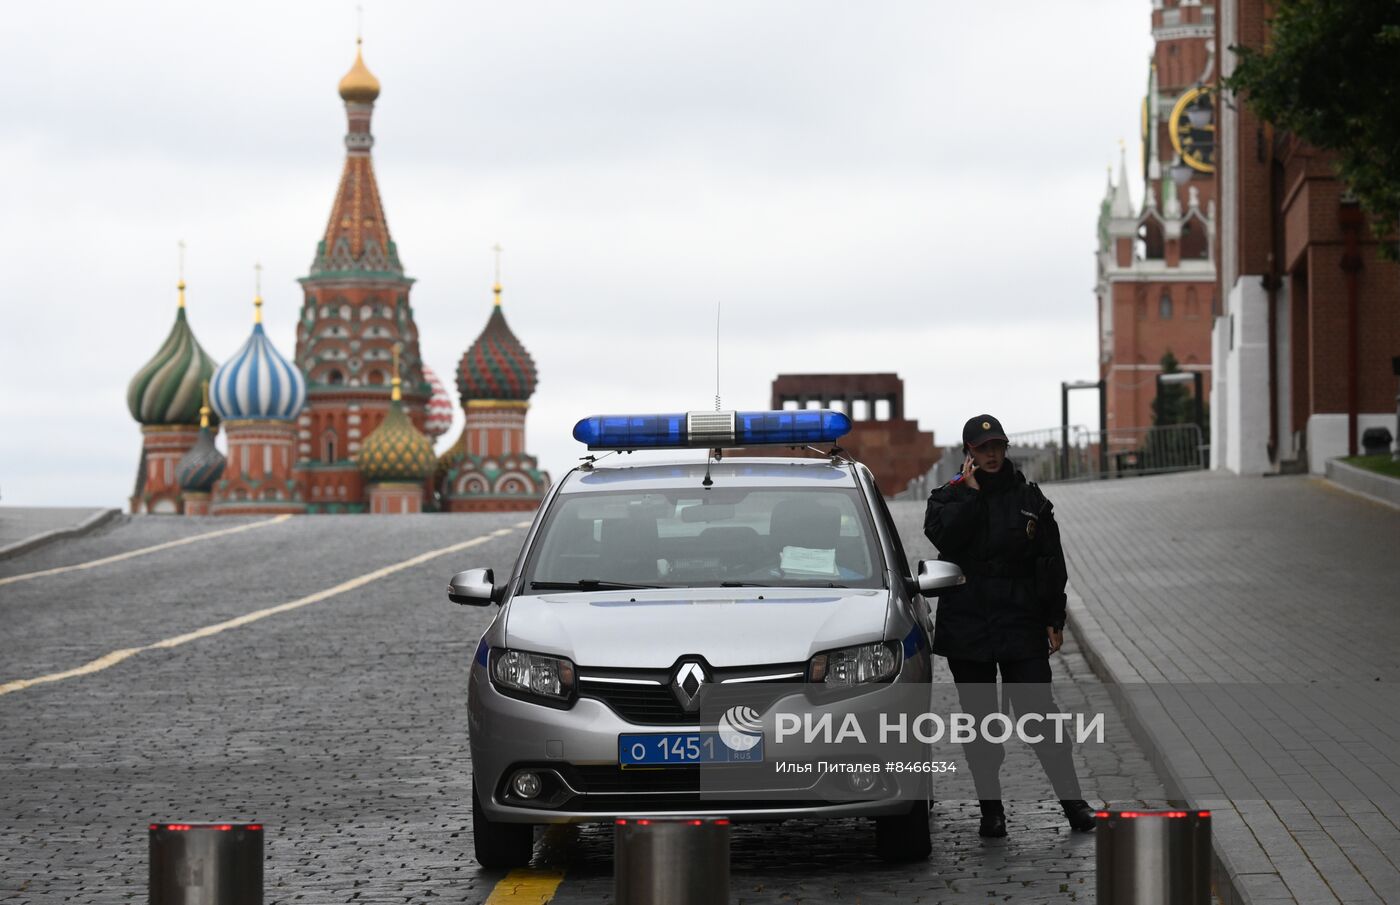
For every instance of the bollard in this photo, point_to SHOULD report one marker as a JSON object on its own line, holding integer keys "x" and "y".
{"x": 206, "y": 864}
{"x": 1153, "y": 857}
{"x": 671, "y": 861}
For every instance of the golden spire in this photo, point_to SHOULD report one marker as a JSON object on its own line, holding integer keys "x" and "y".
{"x": 204, "y": 409}
{"x": 359, "y": 84}
{"x": 257, "y": 294}
{"x": 496, "y": 287}
{"x": 396, "y": 394}
{"x": 181, "y": 284}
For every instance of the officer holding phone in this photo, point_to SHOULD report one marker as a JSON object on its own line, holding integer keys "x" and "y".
{"x": 1009, "y": 617}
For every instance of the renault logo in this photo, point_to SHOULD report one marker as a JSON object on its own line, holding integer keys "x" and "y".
{"x": 687, "y": 683}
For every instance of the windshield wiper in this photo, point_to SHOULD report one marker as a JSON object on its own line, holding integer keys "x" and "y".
{"x": 589, "y": 584}
{"x": 746, "y": 584}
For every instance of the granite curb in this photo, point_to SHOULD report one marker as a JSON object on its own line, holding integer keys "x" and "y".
{"x": 1378, "y": 488}
{"x": 1115, "y": 669}
{"x": 89, "y": 524}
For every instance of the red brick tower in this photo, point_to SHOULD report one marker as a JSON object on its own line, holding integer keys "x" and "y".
{"x": 356, "y": 309}
{"x": 1156, "y": 286}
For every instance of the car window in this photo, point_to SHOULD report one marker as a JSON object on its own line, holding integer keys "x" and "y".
{"x": 779, "y": 536}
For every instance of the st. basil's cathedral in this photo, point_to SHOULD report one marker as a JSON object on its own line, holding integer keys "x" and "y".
{"x": 348, "y": 423}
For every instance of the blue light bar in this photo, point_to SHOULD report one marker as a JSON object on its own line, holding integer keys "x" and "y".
{"x": 712, "y": 430}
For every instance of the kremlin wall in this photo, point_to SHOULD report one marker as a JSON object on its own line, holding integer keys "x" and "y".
{"x": 347, "y": 424}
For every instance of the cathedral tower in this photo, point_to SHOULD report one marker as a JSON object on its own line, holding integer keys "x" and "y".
{"x": 488, "y": 469}
{"x": 355, "y": 310}
{"x": 164, "y": 397}
{"x": 258, "y": 395}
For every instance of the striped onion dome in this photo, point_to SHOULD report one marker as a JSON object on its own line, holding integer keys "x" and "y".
{"x": 496, "y": 366}
{"x": 395, "y": 450}
{"x": 257, "y": 382}
{"x": 167, "y": 389}
{"x": 202, "y": 465}
{"x": 440, "y": 408}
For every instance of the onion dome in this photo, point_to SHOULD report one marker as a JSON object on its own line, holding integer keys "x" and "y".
{"x": 166, "y": 390}
{"x": 257, "y": 382}
{"x": 496, "y": 366}
{"x": 395, "y": 450}
{"x": 359, "y": 84}
{"x": 203, "y": 464}
{"x": 440, "y": 408}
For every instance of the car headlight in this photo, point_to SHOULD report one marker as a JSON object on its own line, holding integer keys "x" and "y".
{"x": 536, "y": 677}
{"x": 848, "y": 666}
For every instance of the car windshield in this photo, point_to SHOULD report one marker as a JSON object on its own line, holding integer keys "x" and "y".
{"x": 739, "y": 537}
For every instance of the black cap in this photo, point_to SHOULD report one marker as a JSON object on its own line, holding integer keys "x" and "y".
{"x": 981, "y": 428}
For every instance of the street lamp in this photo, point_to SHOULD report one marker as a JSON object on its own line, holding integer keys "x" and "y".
{"x": 1181, "y": 173}
{"x": 1065, "y": 387}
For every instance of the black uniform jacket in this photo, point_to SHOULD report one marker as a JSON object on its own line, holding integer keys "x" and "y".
{"x": 1005, "y": 539}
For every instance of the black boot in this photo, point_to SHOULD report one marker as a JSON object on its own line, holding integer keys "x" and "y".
{"x": 993, "y": 819}
{"x": 1079, "y": 814}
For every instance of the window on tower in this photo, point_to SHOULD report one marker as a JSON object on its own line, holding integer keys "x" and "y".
{"x": 1164, "y": 307}
{"x": 334, "y": 377}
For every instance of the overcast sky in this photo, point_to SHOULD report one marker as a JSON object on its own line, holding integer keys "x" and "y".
{"x": 907, "y": 187}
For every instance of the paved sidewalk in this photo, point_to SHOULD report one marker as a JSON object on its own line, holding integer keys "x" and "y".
{"x": 1218, "y": 591}
{"x": 24, "y": 527}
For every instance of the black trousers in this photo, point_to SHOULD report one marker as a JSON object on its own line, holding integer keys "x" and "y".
{"x": 1026, "y": 684}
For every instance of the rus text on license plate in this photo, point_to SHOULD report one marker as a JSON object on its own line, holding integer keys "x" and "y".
{"x": 681, "y": 748}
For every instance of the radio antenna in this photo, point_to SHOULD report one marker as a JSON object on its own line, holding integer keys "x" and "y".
{"x": 717, "y": 399}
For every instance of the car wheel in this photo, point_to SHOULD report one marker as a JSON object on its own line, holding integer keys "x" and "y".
{"x": 904, "y": 837}
{"x": 497, "y": 844}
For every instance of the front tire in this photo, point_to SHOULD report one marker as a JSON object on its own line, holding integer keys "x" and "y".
{"x": 497, "y": 844}
{"x": 904, "y": 837}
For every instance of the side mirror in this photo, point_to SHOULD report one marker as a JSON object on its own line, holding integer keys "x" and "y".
{"x": 935, "y": 574}
{"x": 475, "y": 587}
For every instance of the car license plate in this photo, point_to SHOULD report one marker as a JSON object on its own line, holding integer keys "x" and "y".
{"x": 684, "y": 748}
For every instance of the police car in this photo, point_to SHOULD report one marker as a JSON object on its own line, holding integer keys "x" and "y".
{"x": 646, "y": 591}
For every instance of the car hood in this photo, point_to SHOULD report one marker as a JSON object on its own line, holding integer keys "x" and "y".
{"x": 726, "y": 626}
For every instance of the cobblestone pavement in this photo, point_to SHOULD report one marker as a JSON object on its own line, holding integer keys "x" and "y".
{"x": 1289, "y": 586}
{"x": 341, "y": 725}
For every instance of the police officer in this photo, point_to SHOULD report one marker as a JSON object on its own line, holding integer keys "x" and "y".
{"x": 1009, "y": 616}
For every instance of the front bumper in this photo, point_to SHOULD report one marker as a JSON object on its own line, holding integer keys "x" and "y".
{"x": 576, "y": 752}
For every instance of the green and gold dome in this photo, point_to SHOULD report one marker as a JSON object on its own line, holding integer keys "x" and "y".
{"x": 167, "y": 390}
{"x": 396, "y": 450}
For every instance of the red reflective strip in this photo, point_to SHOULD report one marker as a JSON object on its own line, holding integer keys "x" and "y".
{"x": 697, "y": 823}
{"x": 622, "y": 823}
{"x": 722, "y": 822}
{"x": 1101, "y": 815}
{"x": 643, "y": 823}
{"x": 1203, "y": 813}
{"x": 177, "y": 826}
{"x": 1128, "y": 814}
{"x": 254, "y": 827}
{"x": 224, "y": 826}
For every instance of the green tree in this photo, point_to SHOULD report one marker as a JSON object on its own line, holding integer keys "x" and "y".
{"x": 1331, "y": 75}
{"x": 1173, "y": 403}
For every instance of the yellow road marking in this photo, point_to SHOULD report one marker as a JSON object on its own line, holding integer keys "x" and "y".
{"x": 535, "y": 887}
{"x": 92, "y": 564}
{"x": 112, "y": 659}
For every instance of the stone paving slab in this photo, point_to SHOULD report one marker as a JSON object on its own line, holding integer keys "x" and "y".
{"x": 1209, "y": 578}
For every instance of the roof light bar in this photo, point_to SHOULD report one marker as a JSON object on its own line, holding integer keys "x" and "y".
{"x": 711, "y": 430}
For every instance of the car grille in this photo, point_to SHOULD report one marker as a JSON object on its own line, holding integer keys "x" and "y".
{"x": 656, "y": 704}
{"x": 650, "y": 704}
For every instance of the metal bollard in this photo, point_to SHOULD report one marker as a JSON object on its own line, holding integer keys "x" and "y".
{"x": 671, "y": 861}
{"x": 206, "y": 864}
{"x": 1153, "y": 857}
